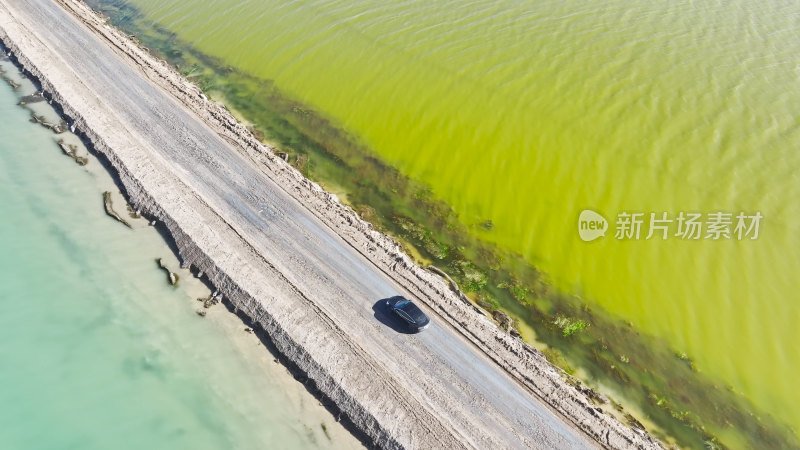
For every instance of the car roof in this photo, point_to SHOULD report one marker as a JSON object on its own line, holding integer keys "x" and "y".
{"x": 412, "y": 310}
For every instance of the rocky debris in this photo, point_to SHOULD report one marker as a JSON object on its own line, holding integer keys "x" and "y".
{"x": 201, "y": 312}
{"x": 595, "y": 396}
{"x": 134, "y": 213}
{"x": 282, "y": 155}
{"x": 450, "y": 281}
{"x": 454, "y": 287}
{"x": 300, "y": 162}
{"x": 109, "y": 206}
{"x": 71, "y": 151}
{"x": 504, "y": 321}
{"x": 210, "y": 301}
{"x": 172, "y": 277}
{"x": 56, "y": 128}
{"x": 12, "y": 83}
{"x": 36, "y": 97}
{"x": 633, "y": 422}
{"x": 591, "y": 394}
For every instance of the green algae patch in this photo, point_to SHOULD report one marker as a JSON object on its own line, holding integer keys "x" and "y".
{"x": 687, "y": 406}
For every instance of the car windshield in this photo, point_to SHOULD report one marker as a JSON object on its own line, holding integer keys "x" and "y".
{"x": 402, "y": 303}
{"x": 413, "y": 310}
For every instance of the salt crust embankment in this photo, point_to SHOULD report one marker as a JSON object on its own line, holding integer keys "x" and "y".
{"x": 299, "y": 330}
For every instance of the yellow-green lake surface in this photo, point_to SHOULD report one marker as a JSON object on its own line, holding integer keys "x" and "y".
{"x": 525, "y": 113}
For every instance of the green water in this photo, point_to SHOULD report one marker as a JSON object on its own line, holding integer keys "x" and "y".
{"x": 526, "y": 113}
{"x": 98, "y": 351}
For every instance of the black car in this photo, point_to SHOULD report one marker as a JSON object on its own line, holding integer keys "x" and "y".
{"x": 410, "y": 313}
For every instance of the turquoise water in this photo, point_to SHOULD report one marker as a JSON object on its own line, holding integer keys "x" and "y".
{"x": 98, "y": 352}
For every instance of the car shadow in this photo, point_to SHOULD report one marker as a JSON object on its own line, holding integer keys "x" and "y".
{"x": 383, "y": 312}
